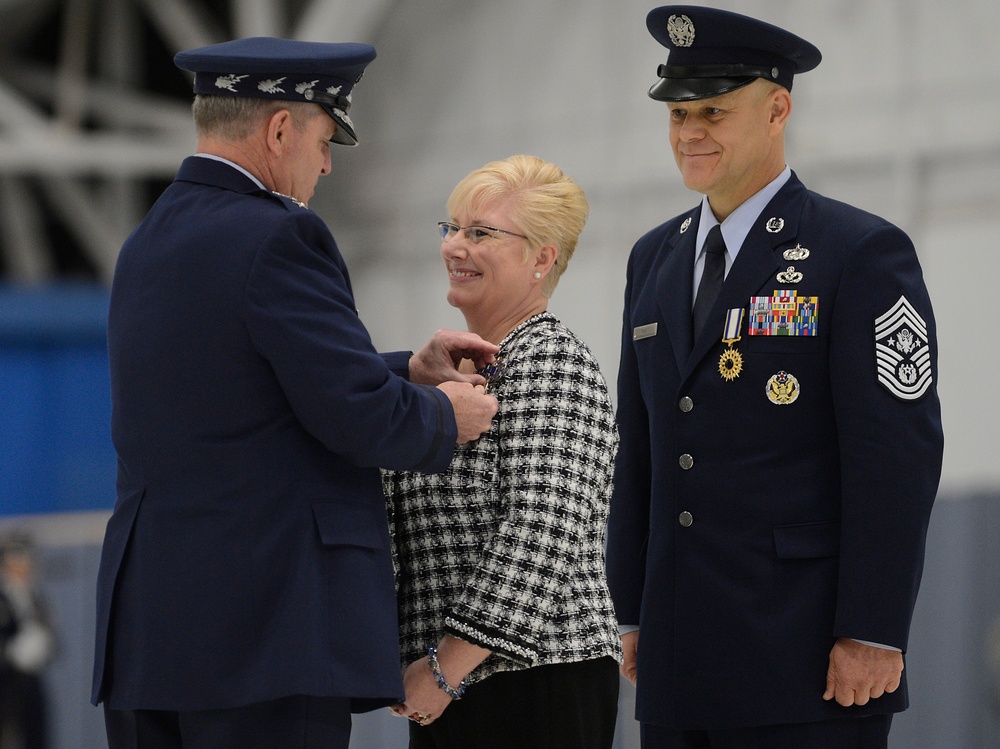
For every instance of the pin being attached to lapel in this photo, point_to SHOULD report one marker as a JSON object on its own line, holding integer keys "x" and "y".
{"x": 774, "y": 225}
{"x": 493, "y": 372}
{"x": 789, "y": 276}
{"x": 731, "y": 361}
{"x": 686, "y": 225}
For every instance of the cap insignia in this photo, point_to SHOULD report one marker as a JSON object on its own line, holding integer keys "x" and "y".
{"x": 344, "y": 116}
{"x": 272, "y": 86}
{"x": 305, "y": 88}
{"x": 229, "y": 82}
{"x": 681, "y": 30}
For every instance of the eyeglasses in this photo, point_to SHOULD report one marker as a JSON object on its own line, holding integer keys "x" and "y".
{"x": 475, "y": 233}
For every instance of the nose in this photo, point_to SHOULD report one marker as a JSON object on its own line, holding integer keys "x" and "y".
{"x": 688, "y": 129}
{"x": 453, "y": 245}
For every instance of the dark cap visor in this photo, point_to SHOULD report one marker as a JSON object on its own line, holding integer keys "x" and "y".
{"x": 691, "y": 89}
{"x": 344, "y": 135}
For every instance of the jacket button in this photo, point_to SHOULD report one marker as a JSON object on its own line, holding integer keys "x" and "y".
{"x": 686, "y": 519}
{"x": 686, "y": 461}
{"x": 685, "y": 404}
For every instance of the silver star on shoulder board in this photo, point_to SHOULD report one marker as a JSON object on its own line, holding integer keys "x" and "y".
{"x": 297, "y": 202}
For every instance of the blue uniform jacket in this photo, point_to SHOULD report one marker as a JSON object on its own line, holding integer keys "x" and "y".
{"x": 803, "y": 519}
{"x": 247, "y": 557}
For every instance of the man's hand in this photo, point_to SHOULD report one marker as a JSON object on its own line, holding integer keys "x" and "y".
{"x": 630, "y": 646}
{"x": 438, "y": 360}
{"x": 860, "y": 672}
{"x": 474, "y": 409}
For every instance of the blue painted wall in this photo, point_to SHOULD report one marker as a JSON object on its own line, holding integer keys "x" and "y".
{"x": 55, "y": 404}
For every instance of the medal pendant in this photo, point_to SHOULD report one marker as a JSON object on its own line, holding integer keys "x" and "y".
{"x": 730, "y": 364}
{"x": 731, "y": 361}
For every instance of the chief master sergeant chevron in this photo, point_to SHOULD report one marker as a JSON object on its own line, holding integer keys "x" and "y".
{"x": 780, "y": 428}
{"x": 245, "y": 593}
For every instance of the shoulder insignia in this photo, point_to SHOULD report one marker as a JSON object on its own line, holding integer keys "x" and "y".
{"x": 902, "y": 351}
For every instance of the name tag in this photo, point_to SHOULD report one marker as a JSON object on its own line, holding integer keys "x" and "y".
{"x": 644, "y": 331}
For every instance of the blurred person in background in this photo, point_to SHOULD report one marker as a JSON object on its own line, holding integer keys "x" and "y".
{"x": 29, "y": 649}
{"x": 508, "y": 633}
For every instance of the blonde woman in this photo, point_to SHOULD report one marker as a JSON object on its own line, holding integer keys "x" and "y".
{"x": 507, "y": 628}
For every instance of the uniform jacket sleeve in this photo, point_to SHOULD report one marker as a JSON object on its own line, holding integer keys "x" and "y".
{"x": 302, "y": 319}
{"x": 890, "y": 446}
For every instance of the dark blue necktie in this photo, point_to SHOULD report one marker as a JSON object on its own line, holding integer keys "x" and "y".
{"x": 711, "y": 279}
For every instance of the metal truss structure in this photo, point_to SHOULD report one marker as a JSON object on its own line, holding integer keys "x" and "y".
{"x": 95, "y": 119}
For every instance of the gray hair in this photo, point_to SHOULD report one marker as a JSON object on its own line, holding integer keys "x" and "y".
{"x": 234, "y": 118}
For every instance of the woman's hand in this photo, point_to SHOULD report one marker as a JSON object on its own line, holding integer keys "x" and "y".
{"x": 425, "y": 699}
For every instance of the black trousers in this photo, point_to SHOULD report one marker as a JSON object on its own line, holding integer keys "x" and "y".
{"x": 296, "y": 722}
{"x": 845, "y": 733}
{"x": 559, "y": 706}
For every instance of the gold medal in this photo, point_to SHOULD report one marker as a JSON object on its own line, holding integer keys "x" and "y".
{"x": 731, "y": 361}
{"x": 730, "y": 364}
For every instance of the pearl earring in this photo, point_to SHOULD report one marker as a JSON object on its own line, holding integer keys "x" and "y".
{"x": 537, "y": 274}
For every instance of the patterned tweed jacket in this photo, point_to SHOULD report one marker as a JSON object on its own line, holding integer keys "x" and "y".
{"x": 506, "y": 548}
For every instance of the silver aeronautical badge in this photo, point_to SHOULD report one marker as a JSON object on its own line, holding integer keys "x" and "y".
{"x": 686, "y": 225}
{"x": 798, "y": 252}
{"x": 790, "y": 275}
{"x": 681, "y": 30}
{"x": 902, "y": 351}
{"x": 782, "y": 389}
{"x": 774, "y": 225}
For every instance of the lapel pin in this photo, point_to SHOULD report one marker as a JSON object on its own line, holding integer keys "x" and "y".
{"x": 798, "y": 252}
{"x": 789, "y": 276}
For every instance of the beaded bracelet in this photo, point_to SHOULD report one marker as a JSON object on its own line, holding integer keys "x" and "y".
{"x": 455, "y": 694}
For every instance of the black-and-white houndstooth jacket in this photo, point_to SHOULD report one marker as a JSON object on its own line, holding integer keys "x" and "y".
{"x": 506, "y": 548}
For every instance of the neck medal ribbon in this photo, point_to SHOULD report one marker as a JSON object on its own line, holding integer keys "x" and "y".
{"x": 731, "y": 361}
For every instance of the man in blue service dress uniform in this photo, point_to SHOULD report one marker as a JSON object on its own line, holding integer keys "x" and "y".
{"x": 780, "y": 430}
{"x": 245, "y": 594}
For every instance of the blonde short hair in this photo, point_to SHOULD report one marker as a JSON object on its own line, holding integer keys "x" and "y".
{"x": 235, "y": 118}
{"x": 545, "y": 204}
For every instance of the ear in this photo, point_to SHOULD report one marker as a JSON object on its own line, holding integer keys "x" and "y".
{"x": 277, "y": 131}
{"x": 544, "y": 259}
{"x": 779, "y": 107}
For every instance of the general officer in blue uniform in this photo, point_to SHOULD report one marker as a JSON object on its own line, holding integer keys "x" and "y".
{"x": 781, "y": 439}
{"x": 245, "y": 593}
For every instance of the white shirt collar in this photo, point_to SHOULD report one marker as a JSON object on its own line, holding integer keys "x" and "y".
{"x": 738, "y": 224}
{"x": 234, "y": 166}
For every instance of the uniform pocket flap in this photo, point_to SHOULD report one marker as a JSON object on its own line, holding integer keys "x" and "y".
{"x": 807, "y": 540}
{"x": 345, "y": 523}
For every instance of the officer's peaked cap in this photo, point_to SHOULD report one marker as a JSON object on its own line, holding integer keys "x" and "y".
{"x": 715, "y": 51}
{"x": 323, "y": 73}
